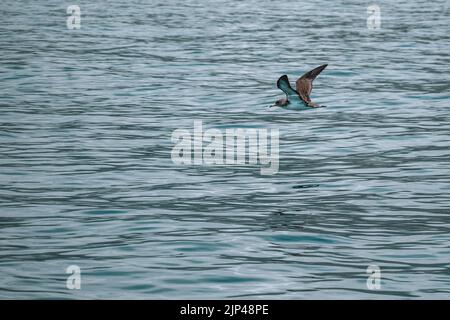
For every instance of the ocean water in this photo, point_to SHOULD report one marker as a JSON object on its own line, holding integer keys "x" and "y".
{"x": 87, "y": 179}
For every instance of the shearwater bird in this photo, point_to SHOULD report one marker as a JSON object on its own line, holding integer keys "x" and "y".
{"x": 299, "y": 98}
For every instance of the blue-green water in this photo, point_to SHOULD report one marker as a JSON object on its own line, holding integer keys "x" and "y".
{"x": 86, "y": 176}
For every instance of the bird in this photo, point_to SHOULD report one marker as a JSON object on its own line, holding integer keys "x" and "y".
{"x": 299, "y": 98}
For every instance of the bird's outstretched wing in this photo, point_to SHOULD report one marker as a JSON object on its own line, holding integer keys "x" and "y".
{"x": 304, "y": 83}
{"x": 283, "y": 85}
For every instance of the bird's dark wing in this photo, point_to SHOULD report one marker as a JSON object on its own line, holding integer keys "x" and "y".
{"x": 283, "y": 85}
{"x": 304, "y": 83}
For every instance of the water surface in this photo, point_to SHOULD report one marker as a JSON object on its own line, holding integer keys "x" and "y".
{"x": 86, "y": 176}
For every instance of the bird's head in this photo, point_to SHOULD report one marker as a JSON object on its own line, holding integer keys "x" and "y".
{"x": 280, "y": 103}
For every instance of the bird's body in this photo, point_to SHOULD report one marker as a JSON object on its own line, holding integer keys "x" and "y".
{"x": 292, "y": 104}
{"x": 300, "y": 98}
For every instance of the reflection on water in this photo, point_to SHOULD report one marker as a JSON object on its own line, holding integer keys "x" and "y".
{"x": 86, "y": 176}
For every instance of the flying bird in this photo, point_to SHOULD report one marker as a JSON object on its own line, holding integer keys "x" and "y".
{"x": 299, "y": 98}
